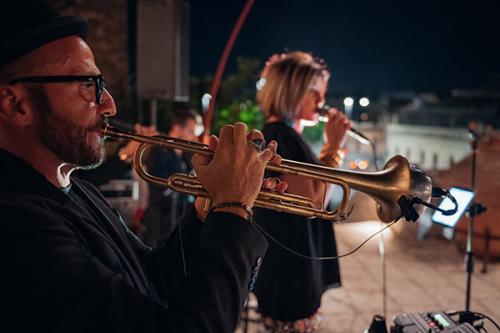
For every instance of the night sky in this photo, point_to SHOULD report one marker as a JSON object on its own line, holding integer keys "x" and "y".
{"x": 371, "y": 46}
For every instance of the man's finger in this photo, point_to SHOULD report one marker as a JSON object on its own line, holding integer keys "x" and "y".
{"x": 268, "y": 155}
{"x": 282, "y": 187}
{"x": 226, "y": 135}
{"x": 239, "y": 133}
{"x": 271, "y": 183}
{"x": 276, "y": 160}
{"x": 255, "y": 135}
{"x": 274, "y": 184}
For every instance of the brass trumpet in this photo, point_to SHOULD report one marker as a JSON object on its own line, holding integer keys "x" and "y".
{"x": 386, "y": 187}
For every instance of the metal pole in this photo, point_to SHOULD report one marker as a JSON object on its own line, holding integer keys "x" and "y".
{"x": 469, "y": 256}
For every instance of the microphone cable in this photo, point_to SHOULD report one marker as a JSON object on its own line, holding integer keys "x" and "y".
{"x": 438, "y": 192}
{"x": 303, "y": 256}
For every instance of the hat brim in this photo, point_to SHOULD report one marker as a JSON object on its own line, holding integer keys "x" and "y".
{"x": 38, "y": 36}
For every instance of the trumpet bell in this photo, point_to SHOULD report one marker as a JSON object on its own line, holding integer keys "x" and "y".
{"x": 398, "y": 179}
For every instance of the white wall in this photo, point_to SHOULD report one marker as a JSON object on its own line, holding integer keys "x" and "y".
{"x": 429, "y": 147}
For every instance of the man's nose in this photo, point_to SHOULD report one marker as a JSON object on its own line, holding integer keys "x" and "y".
{"x": 107, "y": 106}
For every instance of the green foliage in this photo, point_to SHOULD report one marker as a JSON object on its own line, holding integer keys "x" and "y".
{"x": 237, "y": 95}
{"x": 236, "y": 100}
{"x": 247, "y": 112}
{"x": 313, "y": 134}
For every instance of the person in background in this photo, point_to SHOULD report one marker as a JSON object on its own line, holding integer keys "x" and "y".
{"x": 164, "y": 205}
{"x": 289, "y": 288}
{"x": 69, "y": 263}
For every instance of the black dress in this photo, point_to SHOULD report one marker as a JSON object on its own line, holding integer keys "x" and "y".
{"x": 288, "y": 287}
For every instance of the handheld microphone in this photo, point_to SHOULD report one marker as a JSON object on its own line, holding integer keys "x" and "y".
{"x": 353, "y": 133}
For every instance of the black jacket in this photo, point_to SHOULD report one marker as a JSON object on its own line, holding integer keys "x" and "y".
{"x": 67, "y": 271}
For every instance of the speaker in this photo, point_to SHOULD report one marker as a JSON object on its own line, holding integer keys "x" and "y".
{"x": 163, "y": 49}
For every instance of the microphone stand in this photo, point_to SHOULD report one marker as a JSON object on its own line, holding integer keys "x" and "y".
{"x": 469, "y": 252}
{"x": 378, "y": 324}
{"x": 474, "y": 210}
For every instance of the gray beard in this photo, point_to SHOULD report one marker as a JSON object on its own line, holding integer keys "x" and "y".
{"x": 66, "y": 140}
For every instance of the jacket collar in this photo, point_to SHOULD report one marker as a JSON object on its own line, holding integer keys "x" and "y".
{"x": 17, "y": 175}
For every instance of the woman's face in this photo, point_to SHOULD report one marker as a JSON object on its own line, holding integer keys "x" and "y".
{"x": 313, "y": 98}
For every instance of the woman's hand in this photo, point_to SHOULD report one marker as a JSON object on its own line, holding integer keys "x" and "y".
{"x": 335, "y": 129}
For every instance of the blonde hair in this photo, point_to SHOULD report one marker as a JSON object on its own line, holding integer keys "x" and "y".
{"x": 288, "y": 77}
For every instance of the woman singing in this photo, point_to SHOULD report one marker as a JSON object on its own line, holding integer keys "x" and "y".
{"x": 289, "y": 288}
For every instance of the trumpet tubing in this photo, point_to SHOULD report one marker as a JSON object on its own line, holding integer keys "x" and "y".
{"x": 386, "y": 187}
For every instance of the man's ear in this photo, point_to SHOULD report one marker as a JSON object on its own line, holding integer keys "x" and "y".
{"x": 12, "y": 110}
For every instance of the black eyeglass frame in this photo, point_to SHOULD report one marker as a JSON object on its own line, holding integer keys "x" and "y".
{"x": 98, "y": 81}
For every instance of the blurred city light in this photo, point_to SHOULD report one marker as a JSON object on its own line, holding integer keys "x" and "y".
{"x": 260, "y": 83}
{"x": 353, "y": 165}
{"x": 205, "y": 101}
{"x": 363, "y": 101}
{"x": 363, "y": 164}
{"x": 359, "y": 164}
{"x": 348, "y": 101}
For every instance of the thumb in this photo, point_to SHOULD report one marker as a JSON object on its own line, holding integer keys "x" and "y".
{"x": 199, "y": 161}
{"x": 213, "y": 142}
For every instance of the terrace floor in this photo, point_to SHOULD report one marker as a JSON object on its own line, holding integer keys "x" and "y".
{"x": 422, "y": 275}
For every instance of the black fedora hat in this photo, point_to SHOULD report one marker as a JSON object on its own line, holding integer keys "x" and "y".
{"x": 26, "y": 25}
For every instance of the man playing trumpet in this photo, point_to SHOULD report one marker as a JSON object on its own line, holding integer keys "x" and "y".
{"x": 69, "y": 262}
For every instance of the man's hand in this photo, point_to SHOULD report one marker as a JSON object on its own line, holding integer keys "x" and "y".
{"x": 235, "y": 172}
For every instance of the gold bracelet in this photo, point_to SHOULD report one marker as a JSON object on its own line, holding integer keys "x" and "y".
{"x": 331, "y": 158}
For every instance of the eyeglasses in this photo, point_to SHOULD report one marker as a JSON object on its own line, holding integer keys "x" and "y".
{"x": 98, "y": 81}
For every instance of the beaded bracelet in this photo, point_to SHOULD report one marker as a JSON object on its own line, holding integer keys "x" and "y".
{"x": 234, "y": 204}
